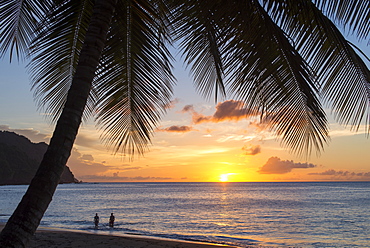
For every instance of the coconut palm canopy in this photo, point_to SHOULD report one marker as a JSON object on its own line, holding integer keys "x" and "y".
{"x": 110, "y": 59}
{"x": 282, "y": 58}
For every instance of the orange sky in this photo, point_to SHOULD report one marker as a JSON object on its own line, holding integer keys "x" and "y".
{"x": 185, "y": 149}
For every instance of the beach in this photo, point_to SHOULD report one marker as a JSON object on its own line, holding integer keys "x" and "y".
{"x": 60, "y": 238}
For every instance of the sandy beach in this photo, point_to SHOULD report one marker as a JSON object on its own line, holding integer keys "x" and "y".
{"x": 60, "y": 238}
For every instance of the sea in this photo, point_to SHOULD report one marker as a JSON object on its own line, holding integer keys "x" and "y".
{"x": 283, "y": 214}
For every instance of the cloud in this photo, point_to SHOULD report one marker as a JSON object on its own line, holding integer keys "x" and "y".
{"x": 199, "y": 118}
{"x": 81, "y": 163}
{"x": 36, "y": 137}
{"x": 87, "y": 157}
{"x": 226, "y": 138}
{"x": 116, "y": 174}
{"x": 213, "y": 150}
{"x": 85, "y": 141}
{"x": 343, "y": 175}
{"x": 251, "y": 149}
{"x": 33, "y": 135}
{"x": 229, "y": 110}
{"x": 259, "y": 126}
{"x": 172, "y": 103}
{"x": 116, "y": 177}
{"x": 188, "y": 108}
{"x": 177, "y": 129}
{"x": 132, "y": 168}
{"x": 276, "y": 166}
{"x": 162, "y": 143}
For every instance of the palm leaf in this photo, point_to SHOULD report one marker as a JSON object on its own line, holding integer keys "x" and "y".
{"x": 262, "y": 67}
{"x": 200, "y": 41}
{"x": 55, "y": 53}
{"x": 343, "y": 76}
{"x": 353, "y": 15}
{"x": 18, "y": 23}
{"x": 134, "y": 82}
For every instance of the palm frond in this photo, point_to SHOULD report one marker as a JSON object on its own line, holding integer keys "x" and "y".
{"x": 55, "y": 53}
{"x": 18, "y": 23}
{"x": 134, "y": 82}
{"x": 266, "y": 71}
{"x": 353, "y": 15}
{"x": 200, "y": 41}
{"x": 344, "y": 78}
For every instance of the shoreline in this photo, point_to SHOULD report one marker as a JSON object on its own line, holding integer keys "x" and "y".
{"x": 69, "y": 238}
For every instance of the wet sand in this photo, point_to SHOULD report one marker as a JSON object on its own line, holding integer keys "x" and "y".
{"x": 61, "y": 238}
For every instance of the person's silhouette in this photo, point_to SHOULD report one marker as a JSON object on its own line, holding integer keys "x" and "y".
{"x": 111, "y": 220}
{"x": 96, "y": 220}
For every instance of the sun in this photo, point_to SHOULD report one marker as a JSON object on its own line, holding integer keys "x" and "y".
{"x": 225, "y": 177}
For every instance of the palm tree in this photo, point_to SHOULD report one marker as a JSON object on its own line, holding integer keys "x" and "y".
{"x": 110, "y": 59}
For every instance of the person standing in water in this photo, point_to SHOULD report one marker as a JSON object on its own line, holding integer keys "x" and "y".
{"x": 96, "y": 220}
{"x": 111, "y": 220}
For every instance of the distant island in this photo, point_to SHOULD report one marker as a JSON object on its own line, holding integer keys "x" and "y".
{"x": 20, "y": 158}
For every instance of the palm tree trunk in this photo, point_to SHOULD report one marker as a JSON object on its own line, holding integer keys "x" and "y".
{"x": 24, "y": 221}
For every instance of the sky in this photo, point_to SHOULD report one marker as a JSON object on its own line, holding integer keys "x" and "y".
{"x": 190, "y": 145}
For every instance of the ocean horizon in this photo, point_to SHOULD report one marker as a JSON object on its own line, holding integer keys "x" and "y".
{"x": 250, "y": 214}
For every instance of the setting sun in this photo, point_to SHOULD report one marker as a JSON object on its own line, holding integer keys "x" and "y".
{"x": 225, "y": 177}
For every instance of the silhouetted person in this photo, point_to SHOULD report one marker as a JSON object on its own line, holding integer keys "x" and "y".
{"x": 111, "y": 220}
{"x": 96, "y": 220}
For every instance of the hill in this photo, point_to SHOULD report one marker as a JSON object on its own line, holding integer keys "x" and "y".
{"x": 20, "y": 158}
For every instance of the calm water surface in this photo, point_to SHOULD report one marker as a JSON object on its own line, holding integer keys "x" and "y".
{"x": 242, "y": 214}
